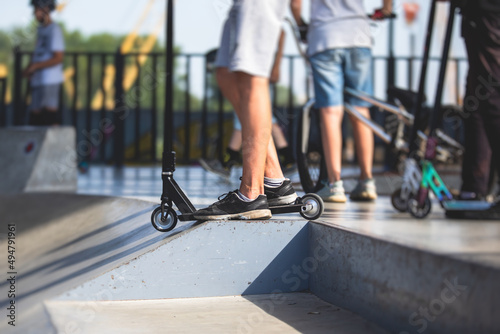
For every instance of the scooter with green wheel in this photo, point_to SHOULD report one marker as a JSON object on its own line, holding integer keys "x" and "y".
{"x": 419, "y": 203}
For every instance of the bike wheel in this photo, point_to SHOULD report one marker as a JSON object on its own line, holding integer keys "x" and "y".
{"x": 310, "y": 162}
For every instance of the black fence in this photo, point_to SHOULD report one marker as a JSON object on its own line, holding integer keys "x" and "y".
{"x": 3, "y": 102}
{"x": 116, "y": 102}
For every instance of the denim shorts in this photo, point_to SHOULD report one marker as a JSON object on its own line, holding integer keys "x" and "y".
{"x": 335, "y": 69}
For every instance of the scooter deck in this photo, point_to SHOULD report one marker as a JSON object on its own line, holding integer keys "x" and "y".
{"x": 280, "y": 209}
{"x": 466, "y": 205}
{"x": 290, "y": 208}
{"x": 475, "y": 210}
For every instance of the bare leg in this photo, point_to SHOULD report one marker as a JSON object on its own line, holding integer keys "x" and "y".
{"x": 255, "y": 117}
{"x": 235, "y": 140}
{"x": 331, "y": 135}
{"x": 279, "y": 136}
{"x": 273, "y": 167}
{"x": 364, "y": 141}
{"x": 233, "y": 90}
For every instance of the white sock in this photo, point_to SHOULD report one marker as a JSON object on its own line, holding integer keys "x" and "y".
{"x": 273, "y": 183}
{"x": 244, "y": 198}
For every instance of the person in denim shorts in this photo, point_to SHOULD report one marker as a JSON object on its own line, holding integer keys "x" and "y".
{"x": 339, "y": 50}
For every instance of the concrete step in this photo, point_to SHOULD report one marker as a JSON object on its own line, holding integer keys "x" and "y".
{"x": 278, "y": 313}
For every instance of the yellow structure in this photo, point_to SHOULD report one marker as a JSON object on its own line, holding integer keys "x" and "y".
{"x": 131, "y": 71}
{"x": 4, "y": 72}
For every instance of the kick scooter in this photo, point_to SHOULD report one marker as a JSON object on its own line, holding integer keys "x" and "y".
{"x": 164, "y": 218}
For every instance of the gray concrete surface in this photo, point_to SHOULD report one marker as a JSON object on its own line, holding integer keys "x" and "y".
{"x": 62, "y": 240}
{"x": 366, "y": 257}
{"x": 212, "y": 259}
{"x": 107, "y": 249}
{"x": 404, "y": 288}
{"x": 283, "y": 313}
{"x": 38, "y": 159}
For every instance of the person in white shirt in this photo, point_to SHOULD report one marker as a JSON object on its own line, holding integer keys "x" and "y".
{"x": 45, "y": 70}
{"x": 339, "y": 50}
{"x": 244, "y": 61}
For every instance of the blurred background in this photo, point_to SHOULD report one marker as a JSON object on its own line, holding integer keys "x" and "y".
{"x": 112, "y": 42}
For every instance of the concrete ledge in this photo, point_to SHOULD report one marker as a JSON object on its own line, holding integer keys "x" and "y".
{"x": 38, "y": 159}
{"x": 403, "y": 289}
{"x": 213, "y": 259}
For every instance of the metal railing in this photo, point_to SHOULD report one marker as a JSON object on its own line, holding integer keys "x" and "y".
{"x": 3, "y": 102}
{"x": 115, "y": 101}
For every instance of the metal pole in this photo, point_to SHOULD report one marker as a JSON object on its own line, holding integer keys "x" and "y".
{"x": 442, "y": 71}
{"x": 120, "y": 111}
{"x": 423, "y": 77}
{"x": 187, "y": 115}
{"x": 391, "y": 65}
{"x": 154, "y": 111}
{"x": 2, "y": 102}
{"x": 19, "y": 112}
{"x": 168, "y": 129}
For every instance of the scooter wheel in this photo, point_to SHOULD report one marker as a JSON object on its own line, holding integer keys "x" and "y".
{"x": 166, "y": 223}
{"x": 416, "y": 211}
{"x": 312, "y": 207}
{"x": 399, "y": 203}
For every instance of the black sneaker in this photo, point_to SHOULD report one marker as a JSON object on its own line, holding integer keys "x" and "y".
{"x": 282, "y": 195}
{"x": 233, "y": 207}
{"x": 216, "y": 167}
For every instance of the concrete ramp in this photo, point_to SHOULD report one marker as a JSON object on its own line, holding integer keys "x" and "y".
{"x": 38, "y": 159}
{"x": 90, "y": 264}
{"x": 85, "y": 264}
{"x": 63, "y": 240}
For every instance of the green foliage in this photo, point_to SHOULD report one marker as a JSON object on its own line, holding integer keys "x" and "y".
{"x": 75, "y": 41}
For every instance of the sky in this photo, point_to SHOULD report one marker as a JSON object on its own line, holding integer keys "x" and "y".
{"x": 198, "y": 22}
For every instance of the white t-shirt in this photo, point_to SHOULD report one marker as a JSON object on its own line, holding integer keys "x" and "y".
{"x": 338, "y": 24}
{"x": 49, "y": 40}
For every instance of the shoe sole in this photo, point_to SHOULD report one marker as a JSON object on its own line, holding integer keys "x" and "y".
{"x": 254, "y": 214}
{"x": 334, "y": 199}
{"x": 283, "y": 200}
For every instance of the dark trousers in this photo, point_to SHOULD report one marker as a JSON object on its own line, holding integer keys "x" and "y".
{"x": 481, "y": 32}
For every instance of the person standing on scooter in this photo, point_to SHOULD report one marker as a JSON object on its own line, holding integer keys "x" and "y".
{"x": 339, "y": 49}
{"x": 244, "y": 61}
{"x": 45, "y": 70}
{"x": 481, "y": 33}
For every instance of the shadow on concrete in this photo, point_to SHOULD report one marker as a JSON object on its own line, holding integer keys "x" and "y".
{"x": 30, "y": 210}
{"x": 283, "y": 274}
{"x": 64, "y": 240}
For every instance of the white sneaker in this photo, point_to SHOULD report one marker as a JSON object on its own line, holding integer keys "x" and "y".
{"x": 365, "y": 190}
{"x": 333, "y": 192}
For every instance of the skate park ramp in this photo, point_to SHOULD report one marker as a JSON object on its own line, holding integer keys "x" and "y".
{"x": 87, "y": 264}
{"x": 94, "y": 264}
{"x": 62, "y": 240}
{"x": 39, "y": 159}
